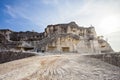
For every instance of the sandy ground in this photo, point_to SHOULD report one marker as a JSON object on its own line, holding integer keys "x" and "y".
{"x": 58, "y": 67}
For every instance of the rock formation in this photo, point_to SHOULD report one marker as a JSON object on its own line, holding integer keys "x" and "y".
{"x": 56, "y": 38}
{"x": 67, "y": 38}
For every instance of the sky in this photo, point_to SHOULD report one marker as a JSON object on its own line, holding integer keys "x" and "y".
{"x": 24, "y": 15}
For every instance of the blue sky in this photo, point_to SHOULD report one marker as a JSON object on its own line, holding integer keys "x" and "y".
{"x": 37, "y": 14}
{"x": 23, "y": 15}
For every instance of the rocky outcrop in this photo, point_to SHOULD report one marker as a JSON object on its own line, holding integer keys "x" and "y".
{"x": 26, "y": 36}
{"x": 67, "y": 37}
{"x": 2, "y": 38}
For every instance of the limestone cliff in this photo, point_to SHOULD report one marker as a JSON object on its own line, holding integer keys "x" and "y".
{"x": 56, "y": 38}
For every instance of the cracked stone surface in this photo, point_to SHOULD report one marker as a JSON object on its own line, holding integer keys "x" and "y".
{"x": 59, "y": 67}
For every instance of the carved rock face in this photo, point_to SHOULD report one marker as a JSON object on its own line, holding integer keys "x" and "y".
{"x": 2, "y": 38}
{"x": 86, "y": 35}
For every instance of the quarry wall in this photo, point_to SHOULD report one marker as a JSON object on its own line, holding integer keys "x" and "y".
{"x": 68, "y": 37}
{"x": 111, "y": 58}
{"x": 6, "y": 56}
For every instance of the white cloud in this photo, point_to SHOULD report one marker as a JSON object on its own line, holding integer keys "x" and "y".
{"x": 10, "y": 11}
{"x": 91, "y": 12}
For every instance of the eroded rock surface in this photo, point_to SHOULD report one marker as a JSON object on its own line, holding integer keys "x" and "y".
{"x": 59, "y": 67}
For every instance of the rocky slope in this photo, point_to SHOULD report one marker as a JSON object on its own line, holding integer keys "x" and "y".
{"x": 59, "y": 67}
